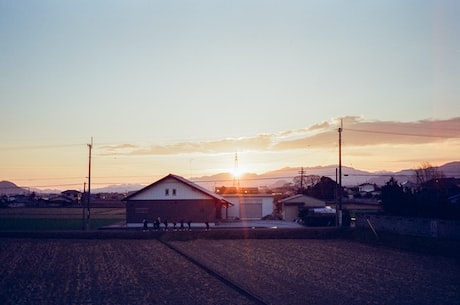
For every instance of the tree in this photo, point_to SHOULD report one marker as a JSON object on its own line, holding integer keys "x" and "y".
{"x": 432, "y": 199}
{"x": 324, "y": 189}
{"x": 425, "y": 172}
{"x": 395, "y": 200}
{"x": 303, "y": 182}
{"x": 3, "y": 201}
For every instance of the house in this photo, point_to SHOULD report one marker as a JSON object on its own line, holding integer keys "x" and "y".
{"x": 366, "y": 188}
{"x": 291, "y": 206}
{"x": 59, "y": 200}
{"x": 174, "y": 198}
{"x": 74, "y": 195}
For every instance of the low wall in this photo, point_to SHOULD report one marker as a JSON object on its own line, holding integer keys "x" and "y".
{"x": 411, "y": 226}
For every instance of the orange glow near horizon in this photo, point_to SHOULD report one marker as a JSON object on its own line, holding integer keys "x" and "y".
{"x": 66, "y": 166}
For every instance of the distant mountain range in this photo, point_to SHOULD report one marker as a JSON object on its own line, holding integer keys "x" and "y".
{"x": 9, "y": 188}
{"x": 351, "y": 177}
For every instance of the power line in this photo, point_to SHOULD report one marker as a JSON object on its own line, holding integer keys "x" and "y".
{"x": 402, "y": 133}
{"x": 41, "y": 146}
{"x": 49, "y": 185}
{"x": 197, "y": 180}
{"x": 41, "y": 179}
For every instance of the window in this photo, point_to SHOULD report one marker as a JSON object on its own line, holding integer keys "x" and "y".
{"x": 166, "y": 192}
{"x": 174, "y": 192}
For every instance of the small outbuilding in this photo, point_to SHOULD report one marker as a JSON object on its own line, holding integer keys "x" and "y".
{"x": 249, "y": 206}
{"x": 248, "y": 203}
{"x": 292, "y": 205}
{"x": 175, "y": 199}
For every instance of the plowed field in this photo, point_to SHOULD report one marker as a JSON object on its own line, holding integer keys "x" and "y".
{"x": 70, "y": 271}
{"x": 330, "y": 271}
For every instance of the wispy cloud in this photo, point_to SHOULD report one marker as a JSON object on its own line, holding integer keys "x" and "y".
{"x": 419, "y": 132}
{"x": 259, "y": 142}
{"x": 356, "y": 132}
{"x": 118, "y": 147}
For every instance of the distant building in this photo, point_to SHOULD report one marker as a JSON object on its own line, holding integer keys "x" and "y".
{"x": 366, "y": 188}
{"x": 73, "y": 195}
{"x": 59, "y": 200}
{"x": 291, "y": 206}
{"x": 174, "y": 198}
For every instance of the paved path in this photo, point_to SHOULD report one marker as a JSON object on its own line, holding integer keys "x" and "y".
{"x": 237, "y": 224}
{"x": 276, "y": 224}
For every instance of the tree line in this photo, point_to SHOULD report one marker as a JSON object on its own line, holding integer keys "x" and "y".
{"x": 432, "y": 195}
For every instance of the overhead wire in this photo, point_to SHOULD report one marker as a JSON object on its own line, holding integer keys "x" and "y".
{"x": 400, "y": 133}
{"x": 220, "y": 180}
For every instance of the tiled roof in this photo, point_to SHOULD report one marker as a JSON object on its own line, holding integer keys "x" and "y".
{"x": 184, "y": 181}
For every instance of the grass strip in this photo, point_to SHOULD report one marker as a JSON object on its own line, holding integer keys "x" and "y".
{"x": 51, "y": 224}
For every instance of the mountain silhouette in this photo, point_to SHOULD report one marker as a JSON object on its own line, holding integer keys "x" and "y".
{"x": 271, "y": 179}
{"x": 9, "y": 188}
{"x": 350, "y": 176}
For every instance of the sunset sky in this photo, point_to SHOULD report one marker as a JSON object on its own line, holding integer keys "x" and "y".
{"x": 181, "y": 86}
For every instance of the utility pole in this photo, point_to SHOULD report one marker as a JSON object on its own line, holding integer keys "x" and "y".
{"x": 88, "y": 212}
{"x": 83, "y": 222}
{"x": 340, "y": 173}
{"x": 302, "y": 174}
{"x": 336, "y": 198}
{"x": 236, "y": 177}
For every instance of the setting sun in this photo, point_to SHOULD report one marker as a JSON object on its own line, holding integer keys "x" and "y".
{"x": 237, "y": 173}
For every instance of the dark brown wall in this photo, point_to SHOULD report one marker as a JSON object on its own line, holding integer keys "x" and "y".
{"x": 172, "y": 210}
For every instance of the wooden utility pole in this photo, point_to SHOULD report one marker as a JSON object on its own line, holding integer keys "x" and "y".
{"x": 83, "y": 219}
{"x": 88, "y": 212}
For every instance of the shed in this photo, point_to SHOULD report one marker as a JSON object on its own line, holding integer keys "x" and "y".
{"x": 249, "y": 206}
{"x": 174, "y": 198}
{"x": 292, "y": 205}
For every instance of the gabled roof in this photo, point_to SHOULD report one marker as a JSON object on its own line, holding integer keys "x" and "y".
{"x": 301, "y": 199}
{"x": 71, "y": 192}
{"x": 184, "y": 181}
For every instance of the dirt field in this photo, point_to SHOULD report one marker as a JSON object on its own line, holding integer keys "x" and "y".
{"x": 331, "y": 271}
{"x": 76, "y": 271}
{"x": 65, "y": 213}
{"x": 57, "y": 219}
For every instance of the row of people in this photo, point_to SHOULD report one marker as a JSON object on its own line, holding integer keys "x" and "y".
{"x": 157, "y": 225}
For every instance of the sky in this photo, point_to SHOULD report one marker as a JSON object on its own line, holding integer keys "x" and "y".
{"x": 182, "y": 86}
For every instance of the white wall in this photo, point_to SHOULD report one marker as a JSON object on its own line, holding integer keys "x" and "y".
{"x": 267, "y": 206}
{"x": 265, "y": 200}
{"x": 157, "y": 191}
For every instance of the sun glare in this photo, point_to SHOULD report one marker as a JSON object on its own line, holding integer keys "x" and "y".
{"x": 237, "y": 173}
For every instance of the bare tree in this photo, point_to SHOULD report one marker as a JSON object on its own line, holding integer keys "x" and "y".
{"x": 305, "y": 181}
{"x": 425, "y": 172}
